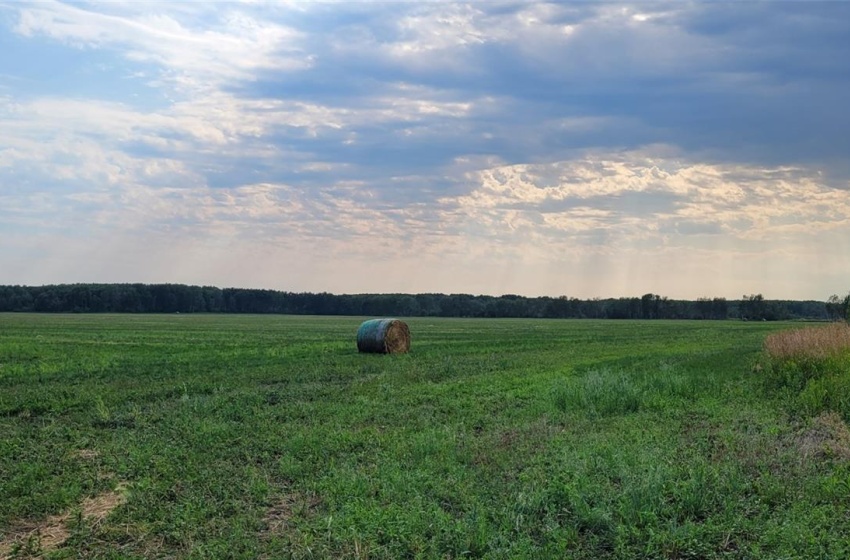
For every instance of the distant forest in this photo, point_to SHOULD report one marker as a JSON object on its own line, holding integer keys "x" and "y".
{"x": 179, "y": 298}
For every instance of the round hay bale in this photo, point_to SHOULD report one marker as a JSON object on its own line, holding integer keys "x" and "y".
{"x": 383, "y": 336}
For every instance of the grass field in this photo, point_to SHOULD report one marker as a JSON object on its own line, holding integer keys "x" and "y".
{"x": 192, "y": 436}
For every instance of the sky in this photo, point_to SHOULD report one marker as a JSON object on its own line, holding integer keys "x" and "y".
{"x": 586, "y": 149}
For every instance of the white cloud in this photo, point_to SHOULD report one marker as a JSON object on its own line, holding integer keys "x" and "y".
{"x": 233, "y": 45}
{"x": 586, "y": 196}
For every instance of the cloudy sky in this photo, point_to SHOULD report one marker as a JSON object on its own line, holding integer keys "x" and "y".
{"x": 585, "y": 149}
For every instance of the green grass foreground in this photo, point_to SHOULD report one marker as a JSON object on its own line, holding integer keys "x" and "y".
{"x": 271, "y": 437}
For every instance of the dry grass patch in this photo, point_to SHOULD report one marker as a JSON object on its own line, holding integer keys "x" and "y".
{"x": 828, "y": 437}
{"x": 294, "y": 504}
{"x": 33, "y": 539}
{"x": 817, "y": 343}
{"x": 85, "y": 454}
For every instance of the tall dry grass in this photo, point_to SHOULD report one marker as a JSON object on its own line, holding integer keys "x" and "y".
{"x": 811, "y": 367}
{"x": 809, "y": 343}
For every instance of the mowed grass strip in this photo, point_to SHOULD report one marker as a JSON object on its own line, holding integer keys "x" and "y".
{"x": 270, "y": 436}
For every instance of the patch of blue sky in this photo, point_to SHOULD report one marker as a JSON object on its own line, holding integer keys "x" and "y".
{"x": 392, "y": 155}
{"x": 145, "y": 150}
{"x": 330, "y": 87}
{"x": 36, "y": 67}
{"x": 386, "y": 147}
{"x": 26, "y": 222}
{"x": 27, "y": 178}
{"x": 228, "y": 177}
{"x": 749, "y": 20}
{"x": 326, "y": 19}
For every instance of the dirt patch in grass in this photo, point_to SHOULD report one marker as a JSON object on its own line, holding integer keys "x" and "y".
{"x": 33, "y": 539}
{"x": 85, "y": 454}
{"x": 534, "y": 436}
{"x": 279, "y": 516}
{"x": 827, "y": 437}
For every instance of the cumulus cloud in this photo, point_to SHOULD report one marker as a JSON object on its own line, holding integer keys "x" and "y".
{"x": 638, "y": 195}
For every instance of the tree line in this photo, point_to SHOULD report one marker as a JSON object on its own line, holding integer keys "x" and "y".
{"x": 180, "y": 298}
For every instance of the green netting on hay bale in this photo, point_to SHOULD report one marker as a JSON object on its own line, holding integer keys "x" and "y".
{"x": 383, "y": 336}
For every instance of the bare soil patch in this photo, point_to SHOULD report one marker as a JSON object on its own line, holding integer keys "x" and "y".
{"x": 33, "y": 539}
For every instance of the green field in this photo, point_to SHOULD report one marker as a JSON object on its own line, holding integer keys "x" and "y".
{"x": 271, "y": 437}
